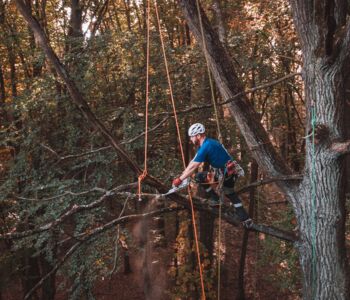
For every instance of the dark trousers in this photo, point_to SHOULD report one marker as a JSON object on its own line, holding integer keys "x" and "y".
{"x": 228, "y": 189}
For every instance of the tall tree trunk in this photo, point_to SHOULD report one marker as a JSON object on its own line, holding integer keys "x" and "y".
{"x": 347, "y": 133}
{"x": 31, "y": 274}
{"x": 253, "y": 178}
{"x": 321, "y": 213}
{"x": 324, "y": 32}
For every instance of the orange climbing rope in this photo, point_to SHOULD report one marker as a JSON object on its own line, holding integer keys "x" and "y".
{"x": 182, "y": 153}
{"x": 144, "y": 173}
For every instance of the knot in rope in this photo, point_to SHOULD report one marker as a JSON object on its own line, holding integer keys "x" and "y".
{"x": 140, "y": 179}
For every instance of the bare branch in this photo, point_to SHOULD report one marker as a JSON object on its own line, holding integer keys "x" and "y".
{"x": 248, "y": 91}
{"x": 73, "y": 210}
{"x": 70, "y": 193}
{"x": 54, "y": 269}
{"x": 260, "y": 87}
{"x": 202, "y": 205}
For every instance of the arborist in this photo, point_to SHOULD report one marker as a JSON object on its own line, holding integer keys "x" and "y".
{"x": 214, "y": 153}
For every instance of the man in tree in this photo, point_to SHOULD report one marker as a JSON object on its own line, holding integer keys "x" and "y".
{"x": 214, "y": 153}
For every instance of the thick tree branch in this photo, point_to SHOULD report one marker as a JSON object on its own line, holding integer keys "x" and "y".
{"x": 200, "y": 204}
{"x": 84, "y": 237}
{"x": 70, "y": 193}
{"x": 296, "y": 177}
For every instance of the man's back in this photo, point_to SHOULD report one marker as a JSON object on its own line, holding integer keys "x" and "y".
{"x": 213, "y": 152}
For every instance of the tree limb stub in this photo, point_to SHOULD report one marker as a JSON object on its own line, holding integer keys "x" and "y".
{"x": 339, "y": 148}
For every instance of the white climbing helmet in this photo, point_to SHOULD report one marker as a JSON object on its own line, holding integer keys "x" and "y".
{"x": 195, "y": 129}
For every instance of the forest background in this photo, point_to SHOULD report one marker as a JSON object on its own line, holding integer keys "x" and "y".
{"x": 57, "y": 170}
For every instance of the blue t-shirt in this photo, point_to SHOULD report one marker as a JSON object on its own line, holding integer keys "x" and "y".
{"x": 213, "y": 152}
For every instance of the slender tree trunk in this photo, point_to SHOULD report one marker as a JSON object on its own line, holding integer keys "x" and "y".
{"x": 13, "y": 76}
{"x": 127, "y": 13}
{"x": 206, "y": 232}
{"x": 253, "y": 178}
{"x": 220, "y": 21}
{"x": 2, "y": 97}
{"x": 49, "y": 285}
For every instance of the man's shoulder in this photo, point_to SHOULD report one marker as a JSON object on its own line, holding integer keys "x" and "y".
{"x": 211, "y": 141}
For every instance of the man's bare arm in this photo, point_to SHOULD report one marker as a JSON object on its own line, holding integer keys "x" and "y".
{"x": 192, "y": 166}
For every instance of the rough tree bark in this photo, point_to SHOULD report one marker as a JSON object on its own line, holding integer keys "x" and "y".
{"x": 325, "y": 39}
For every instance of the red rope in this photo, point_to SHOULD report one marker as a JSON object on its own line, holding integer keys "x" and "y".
{"x": 144, "y": 173}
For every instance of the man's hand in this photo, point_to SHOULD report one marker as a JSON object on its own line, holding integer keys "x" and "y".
{"x": 177, "y": 181}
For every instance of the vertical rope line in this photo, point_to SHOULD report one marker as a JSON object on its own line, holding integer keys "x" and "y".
{"x": 170, "y": 87}
{"x": 217, "y": 125}
{"x": 313, "y": 204}
{"x": 209, "y": 73}
{"x": 182, "y": 153}
{"x": 144, "y": 173}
